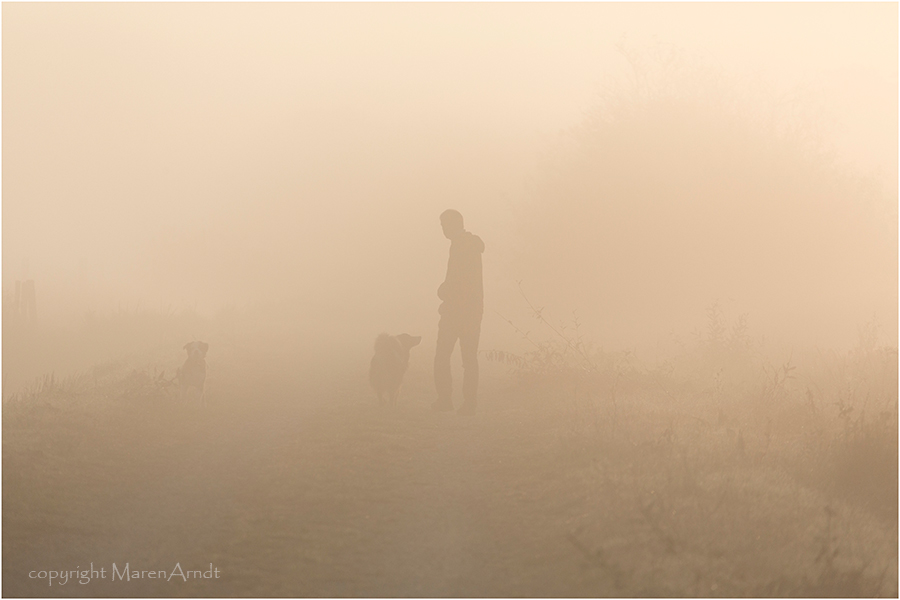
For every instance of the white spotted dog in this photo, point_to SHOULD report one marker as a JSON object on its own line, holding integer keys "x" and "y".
{"x": 389, "y": 365}
{"x": 192, "y": 374}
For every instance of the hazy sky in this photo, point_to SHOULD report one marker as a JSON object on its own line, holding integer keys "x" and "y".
{"x": 206, "y": 154}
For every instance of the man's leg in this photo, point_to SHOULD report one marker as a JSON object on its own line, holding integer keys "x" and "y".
{"x": 448, "y": 332}
{"x": 468, "y": 345}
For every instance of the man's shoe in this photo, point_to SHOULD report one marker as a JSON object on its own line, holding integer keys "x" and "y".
{"x": 466, "y": 409}
{"x": 442, "y": 406}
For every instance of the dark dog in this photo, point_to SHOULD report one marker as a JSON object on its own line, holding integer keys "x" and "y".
{"x": 192, "y": 373}
{"x": 389, "y": 364}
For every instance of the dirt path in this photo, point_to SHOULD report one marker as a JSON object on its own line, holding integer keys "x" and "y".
{"x": 290, "y": 486}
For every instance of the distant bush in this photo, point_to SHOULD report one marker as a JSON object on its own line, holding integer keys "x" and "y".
{"x": 677, "y": 188}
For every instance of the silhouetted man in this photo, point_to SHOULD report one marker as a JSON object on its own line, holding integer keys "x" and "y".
{"x": 462, "y": 294}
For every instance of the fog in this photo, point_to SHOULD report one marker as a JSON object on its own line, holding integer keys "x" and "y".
{"x": 688, "y": 351}
{"x": 201, "y": 156}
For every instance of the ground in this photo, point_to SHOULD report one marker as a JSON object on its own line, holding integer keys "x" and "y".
{"x": 294, "y": 482}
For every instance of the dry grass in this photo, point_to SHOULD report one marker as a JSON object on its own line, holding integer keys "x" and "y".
{"x": 586, "y": 474}
{"x": 784, "y": 477}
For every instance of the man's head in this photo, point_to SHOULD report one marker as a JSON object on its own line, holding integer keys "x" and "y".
{"x": 451, "y": 223}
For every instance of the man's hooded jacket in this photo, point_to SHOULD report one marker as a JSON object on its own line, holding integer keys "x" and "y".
{"x": 463, "y": 289}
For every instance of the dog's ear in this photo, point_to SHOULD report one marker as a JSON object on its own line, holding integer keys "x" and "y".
{"x": 409, "y": 341}
{"x": 204, "y": 347}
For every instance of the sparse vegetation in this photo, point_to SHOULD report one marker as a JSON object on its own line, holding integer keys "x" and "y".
{"x": 132, "y": 336}
{"x": 718, "y": 445}
{"x": 716, "y": 472}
